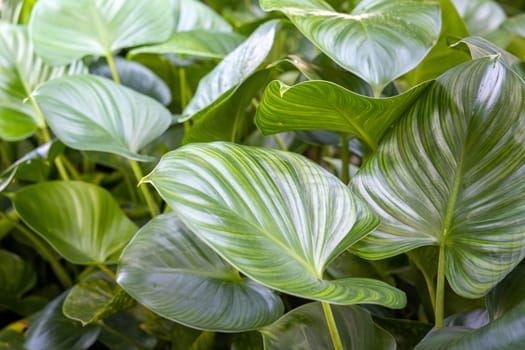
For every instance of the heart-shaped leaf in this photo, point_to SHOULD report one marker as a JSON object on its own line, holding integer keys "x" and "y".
{"x": 233, "y": 69}
{"x": 137, "y": 77}
{"x": 63, "y": 31}
{"x": 506, "y": 304}
{"x": 323, "y": 105}
{"x": 21, "y": 70}
{"x": 378, "y": 41}
{"x": 95, "y": 114}
{"x": 170, "y": 271}
{"x": 306, "y": 325}
{"x": 95, "y": 299}
{"x": 81, "y": 221}
{"x": 275, "y": 216}
{"x": 450, "y": 174}
{"x": 193, "y": 14}
{"x": 52, "y": 330}
{"x": 200, "y": 43}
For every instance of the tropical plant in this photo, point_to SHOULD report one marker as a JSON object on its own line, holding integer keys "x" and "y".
{"x": 319, "y": 174}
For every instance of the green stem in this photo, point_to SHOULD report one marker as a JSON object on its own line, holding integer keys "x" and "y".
{"x": 112, "y": 67}
{"x": 153, "y": 208}
{"x": 280, "y": 142}
{"x": 332, "y": 327}
{"x": 183, "y": 88}
{"x": 122, "y": 336}
{"x": 107, "y": 271}
{"x": 440, "y": 285}
{"x": 431, "y": 286}
{"x": 6, "y": 159}
{"x": 345, "y": 158}
{"x": 46, "y": 252}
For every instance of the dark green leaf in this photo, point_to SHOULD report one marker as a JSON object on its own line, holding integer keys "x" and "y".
{"x": 81, "y": 221}
{"x": 16, "y": 277}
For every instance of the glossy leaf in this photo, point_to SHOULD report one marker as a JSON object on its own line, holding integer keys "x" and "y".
{"x": 63, "y": 31}
{"x": 166, "y": 268}
{"x": 193, "y": 14}
{"x": 199, "y": 43}
{"x": 504, "y": 332}
{"x": 95, "y": 299}
{"x": 480, "y": 16}
{"x": 275, "y": 216}
{"x": 95, "y": 114}
{"x": 233, "y": 69}
{"x": 323, "y": 105}
{"x": 306, "y": 325}
{"x": 137, "y": 77}
{"x": 378, "y": 41}
{"x": 52, "y": 330}
{"x": 21, "y": 70}
{"x": 81, "y": 221}
{"x": 449, "y": 174}
{"x": 16, "y": 277}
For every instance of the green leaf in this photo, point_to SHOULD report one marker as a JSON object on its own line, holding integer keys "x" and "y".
{"x": 164, "y": 257}
{"x": 94, "y": 299}
{"x": 516, "y": 24}
{"x": 233, "y": 69}
{"x": 275, "y": 216}
{"x": 63, "y": 31}
{"x": 306, "y": 325}
{"x": 193, "y": 14}
{"x": 81, "y": 221}
{"x": 127, "y": 323}
{"x": 480, "y": 16}
{"x": 450, "y": 174}
{"x": 52, "y": 330}
{"x": 11, "y": 340}
{"x": 137, "y": 77}
{"x": 378, "y": 41}
{"x": 323, "y": 105}
{"x": 200, "y": 43}
{"x": 16, "y": 277}
{"x": 504, "y": 332}
{"x": 95, "y": 114}
{"x": 21, "y": 70}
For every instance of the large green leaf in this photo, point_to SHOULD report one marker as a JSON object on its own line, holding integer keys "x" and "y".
{"x": 170, "y": 271}
{"x": 95, "y": 114}
{"x": 306, "y": 325}
{"x": 233, "y": 69}
{"x": 323, "y": 105}
{"x": 95, "y": 299}
{"x": 21, "y": 70}
{"x": 52, "y": 330}
{"x": 200, "y": 43}
{"x": 193, "y": 14}
{"x": 275, "y": 216}
{"x": 506, "y": 331}
{"x": 64, "y": 30}
{"x": 450, "y": 174}
{"x": 81, "y": 221}
{"x": 379, "y": 40}
{"x": 480, "y": 16}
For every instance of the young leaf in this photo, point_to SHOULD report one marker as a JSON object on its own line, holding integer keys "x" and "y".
{"x": 81, "y": 221}
{"x": 378, "y": 41}
{"x": 306, "y": 325}
{"x": 323, "y": 105}
{"x": 450, "y": 174}
{"x": 234, "y": 69}
{"x": 63, "y": 31}
{"x": 52, "y": 330}
{"x": 95, "y": 299}
{"x": 21, "y": 71}
{"x": 275, "y": 216}
{"x": 164, "y": 257}
{"x": 95, "y": 114}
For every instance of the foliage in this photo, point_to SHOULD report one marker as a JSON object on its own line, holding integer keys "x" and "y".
{"x": 321, "y": 174}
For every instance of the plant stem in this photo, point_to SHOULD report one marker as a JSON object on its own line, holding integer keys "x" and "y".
{"x": 278, "y": 139}
{"x": 122, "y": 336}
{"x": 6, "y": 159}
{"x": 334, "y": 333}
{"x": 46, "y": 252}
{"x": 152, "y": 206}
{"x": 345, "y": 158}
{"x": 112, "y": 67}
{"x": 431, "y": 286}
{"x": 107, "y": 271}
{"x": 440, "y": 286}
